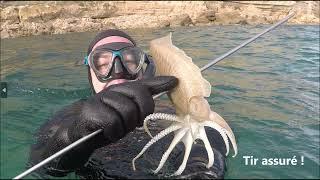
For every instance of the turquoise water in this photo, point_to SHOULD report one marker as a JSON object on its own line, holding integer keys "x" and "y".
{"x": 268, "y": 92}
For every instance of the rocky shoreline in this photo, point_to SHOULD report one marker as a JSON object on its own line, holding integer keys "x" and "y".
{"x": 57, "y": 17}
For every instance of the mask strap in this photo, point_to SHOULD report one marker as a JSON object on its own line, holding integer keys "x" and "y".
{"x": 85, "y": 61}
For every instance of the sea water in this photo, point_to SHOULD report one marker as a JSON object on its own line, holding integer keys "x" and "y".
{"x": 268, "y": 92}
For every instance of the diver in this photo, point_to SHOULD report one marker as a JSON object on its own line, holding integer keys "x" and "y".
{"x": 122, "y": 79}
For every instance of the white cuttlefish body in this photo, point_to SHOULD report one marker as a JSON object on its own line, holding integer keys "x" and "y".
{"x": 193, "y": 110}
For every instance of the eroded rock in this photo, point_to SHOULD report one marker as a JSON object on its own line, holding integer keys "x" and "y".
{"x": 206, "y": 17}
{"x": 10, "y": 15}
{"x": 55, "y": 17}
{"x": 180, "y": 20}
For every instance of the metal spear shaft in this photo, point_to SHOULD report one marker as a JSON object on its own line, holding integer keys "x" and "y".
{"x": 154, "y": 97}
{"x": 57, "y": 154}
{"x": 238, "y": 47}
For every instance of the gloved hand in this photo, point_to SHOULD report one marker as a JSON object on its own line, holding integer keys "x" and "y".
{"x": 119, "y": 109}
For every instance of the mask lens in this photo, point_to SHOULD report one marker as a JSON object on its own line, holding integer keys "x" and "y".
{"x": 101, "y": 61}
{"x": 133, "y": 59}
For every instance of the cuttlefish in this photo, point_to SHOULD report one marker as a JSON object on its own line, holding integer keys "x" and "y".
{"x": 193, "y": 111}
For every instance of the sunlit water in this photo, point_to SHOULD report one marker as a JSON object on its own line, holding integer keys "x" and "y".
{"x": 268, "y": 92}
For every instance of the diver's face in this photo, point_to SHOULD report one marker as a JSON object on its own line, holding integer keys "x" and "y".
{"x": 98, "y": 85}
{"x": 117, "y": 79}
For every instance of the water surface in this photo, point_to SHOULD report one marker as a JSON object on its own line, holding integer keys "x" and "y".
{"x": 268, "y": 92}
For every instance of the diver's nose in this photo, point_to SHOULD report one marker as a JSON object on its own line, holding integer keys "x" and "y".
{"x": 118, "y": 70}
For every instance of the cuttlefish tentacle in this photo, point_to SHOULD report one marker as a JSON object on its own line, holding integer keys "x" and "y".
{"x": 163, "y": 116}
{"x": 185, "y": 135}
{"x": 203, "y": 136}
{"x": 162, "y": 134}
{"x": 225, "y": 127}
{"x": 187, "y": 132}
{"x": 187, "y": 141}
{"x": 178, "y": 136}
{"x": 233, "y": 142}
{"x": 221, "y": 131}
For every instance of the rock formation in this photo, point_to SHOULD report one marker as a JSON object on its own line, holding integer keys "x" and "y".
{"x": 55, "y": 17}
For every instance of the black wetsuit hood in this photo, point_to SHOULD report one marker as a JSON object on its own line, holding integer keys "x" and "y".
{"x": 97, "y": 38}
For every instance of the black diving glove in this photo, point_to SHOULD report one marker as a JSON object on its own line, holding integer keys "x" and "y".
{"x": 117, "y": 110}
{"x": 120, "y": 108}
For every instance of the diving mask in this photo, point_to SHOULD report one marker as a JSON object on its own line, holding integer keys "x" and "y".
{"x": 118, "y": 58}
